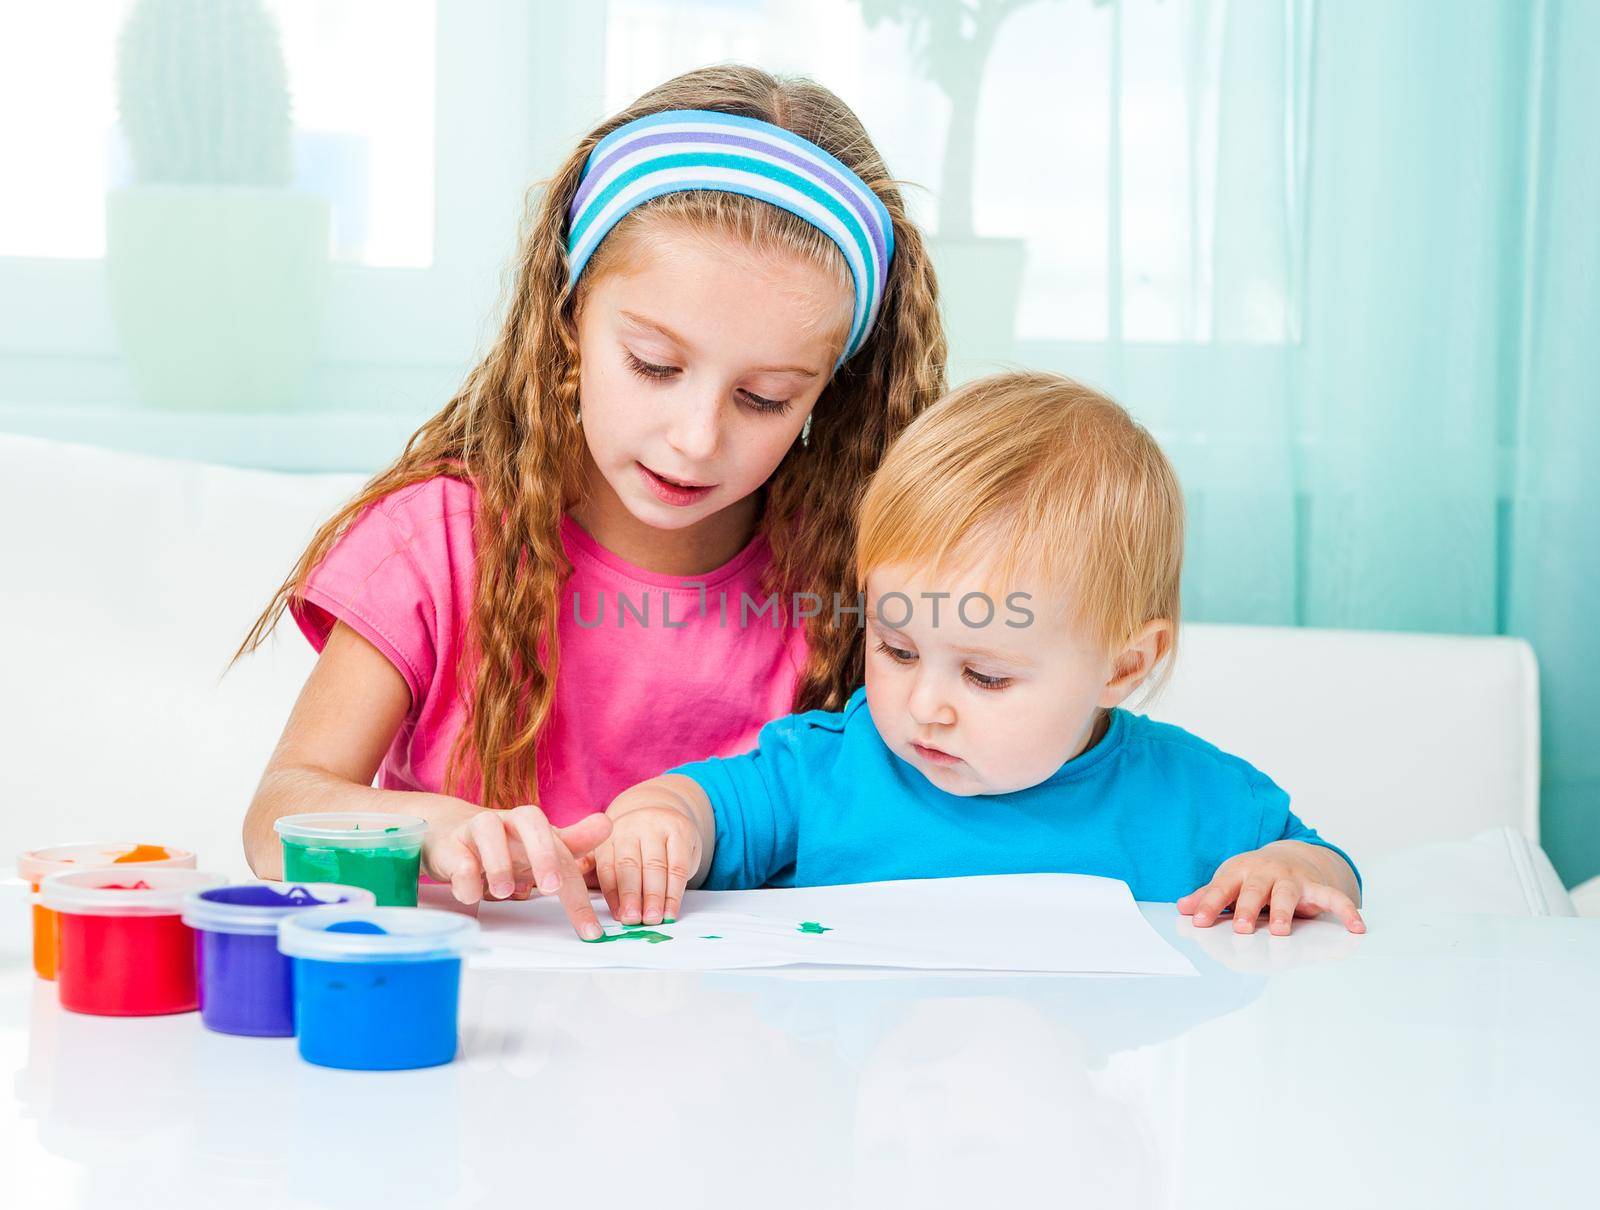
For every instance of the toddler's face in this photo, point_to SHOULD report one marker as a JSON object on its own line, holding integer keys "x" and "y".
{"x": 699, "y": 363}
{"x": 974, "y": 708}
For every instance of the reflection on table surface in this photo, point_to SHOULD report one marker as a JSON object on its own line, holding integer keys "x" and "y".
{"x": 1452, "y": 1060}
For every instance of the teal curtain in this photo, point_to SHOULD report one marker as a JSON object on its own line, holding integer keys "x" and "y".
{"x": 1388, "y": 416}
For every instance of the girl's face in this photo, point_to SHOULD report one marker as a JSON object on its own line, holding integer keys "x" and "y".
{"x": 700, "y": 362}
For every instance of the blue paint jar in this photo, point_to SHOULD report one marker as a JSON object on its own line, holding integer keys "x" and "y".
{"x": 376, "y": 989}
{"x": 244, "y": 982}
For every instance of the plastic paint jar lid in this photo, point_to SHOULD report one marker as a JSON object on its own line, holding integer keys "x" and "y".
{"x": 408, "y": 934}
{"x": 254, "y": 908}
{"x": 128, "y": 891}
{"x": 353, "y": 830}
{"x": 58, "y": 859}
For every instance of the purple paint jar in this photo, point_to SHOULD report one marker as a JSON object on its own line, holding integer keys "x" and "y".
{"x": 246, "y": 985}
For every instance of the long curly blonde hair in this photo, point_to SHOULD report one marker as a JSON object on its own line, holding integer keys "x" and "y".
{"x": 512, "y": 430}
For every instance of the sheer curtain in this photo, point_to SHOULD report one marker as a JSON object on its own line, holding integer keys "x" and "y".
{"x": 1379, "y": 378}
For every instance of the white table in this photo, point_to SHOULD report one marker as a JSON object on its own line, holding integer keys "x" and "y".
{"x": 1450, "y": 1061}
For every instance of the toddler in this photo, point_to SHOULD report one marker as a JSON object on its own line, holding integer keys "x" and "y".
{"x": 1019, "y": 551}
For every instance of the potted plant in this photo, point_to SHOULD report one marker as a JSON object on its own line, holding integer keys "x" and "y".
{"x": 216, "y": 269}
{"x": 980, "y": 277}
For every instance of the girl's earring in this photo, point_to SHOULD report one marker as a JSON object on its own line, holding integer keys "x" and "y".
{"x": 805, "y": 432}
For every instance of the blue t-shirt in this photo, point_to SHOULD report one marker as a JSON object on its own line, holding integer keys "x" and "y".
{"x": 822, "y": 800}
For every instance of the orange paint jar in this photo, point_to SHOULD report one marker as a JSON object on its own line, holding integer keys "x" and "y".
{"x": 60, "y": 858}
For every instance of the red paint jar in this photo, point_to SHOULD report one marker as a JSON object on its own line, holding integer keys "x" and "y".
{"x": 124, "y": 948}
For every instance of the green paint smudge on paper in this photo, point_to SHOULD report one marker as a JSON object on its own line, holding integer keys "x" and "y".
{"x": 811, "y": 926}
{"x": 632, "y": 932}
{"x": 712, "y": 937}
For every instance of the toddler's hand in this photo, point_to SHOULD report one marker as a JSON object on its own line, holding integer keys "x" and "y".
{"x": 643, "y": 869}
{"x": 515, "y": 853}
{"x": 1285, "y": 882}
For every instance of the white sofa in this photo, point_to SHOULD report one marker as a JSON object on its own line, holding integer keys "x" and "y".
{"x": 129, "y": 581}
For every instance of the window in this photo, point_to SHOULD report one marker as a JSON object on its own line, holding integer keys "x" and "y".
{"x": 1118, "y": 147}
{"x": 1096, "y": 140}
{"x": 368, "y": 150}
{"x": 425, "y": 124}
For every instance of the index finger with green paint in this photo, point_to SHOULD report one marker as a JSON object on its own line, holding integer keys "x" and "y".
{"x": 572, "y": 842}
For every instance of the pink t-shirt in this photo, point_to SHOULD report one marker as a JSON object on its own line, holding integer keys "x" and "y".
{"x": 647, "y": 679}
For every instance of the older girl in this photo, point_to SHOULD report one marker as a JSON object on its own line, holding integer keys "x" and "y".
{"x": 720, "y": 320}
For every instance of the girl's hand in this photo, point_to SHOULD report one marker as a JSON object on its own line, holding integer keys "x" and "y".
{"x": 643, "y": 869}
{"x": 1283, "y": 878}
{"x": 515, "y": 853}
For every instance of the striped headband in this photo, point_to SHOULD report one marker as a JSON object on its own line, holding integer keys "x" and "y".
{"x": 685, "y": 149}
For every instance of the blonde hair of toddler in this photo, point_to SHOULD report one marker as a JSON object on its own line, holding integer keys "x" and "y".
{"x": 1038, "y": 479}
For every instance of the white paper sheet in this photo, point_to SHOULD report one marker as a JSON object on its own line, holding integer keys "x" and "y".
{"x": 1062, "y": 923}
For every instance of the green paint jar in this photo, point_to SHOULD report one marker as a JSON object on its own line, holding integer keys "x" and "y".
{"x": 371, "y": 849}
